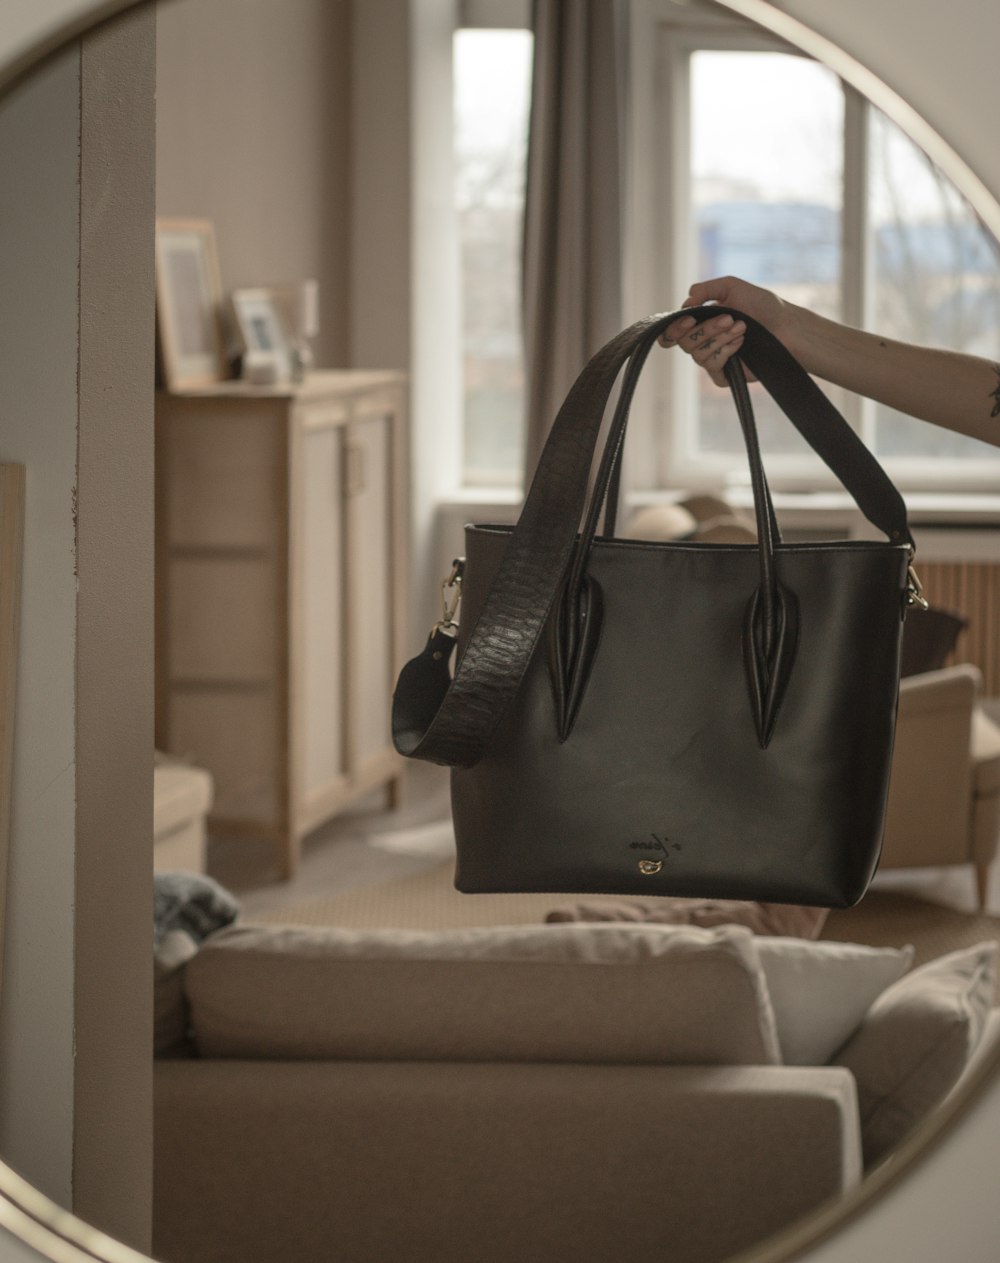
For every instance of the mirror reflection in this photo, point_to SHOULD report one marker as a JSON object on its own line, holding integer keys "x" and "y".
{"x": 371, "y": 236}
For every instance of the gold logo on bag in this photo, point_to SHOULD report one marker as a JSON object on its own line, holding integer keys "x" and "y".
{"x": 649, "y": 868}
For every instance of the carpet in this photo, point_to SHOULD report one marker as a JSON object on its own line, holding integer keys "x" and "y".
{"x": 429, "y": 901}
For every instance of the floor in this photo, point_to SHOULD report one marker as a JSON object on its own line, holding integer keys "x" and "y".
{"x": 371, "y": 844}
{"x": 365, "y": 845}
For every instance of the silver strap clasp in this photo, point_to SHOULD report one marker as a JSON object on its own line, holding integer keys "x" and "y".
{"x": 451, "y": 598}
{"x": 915, "y": 589}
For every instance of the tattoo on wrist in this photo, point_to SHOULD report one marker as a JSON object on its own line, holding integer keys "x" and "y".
{"x": 995, "y": 394}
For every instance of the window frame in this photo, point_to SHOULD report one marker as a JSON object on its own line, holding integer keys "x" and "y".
{"x": 661, "y": 455}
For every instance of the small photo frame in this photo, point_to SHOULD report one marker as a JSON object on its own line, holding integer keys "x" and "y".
{"x": 263, "y": 334}
{"x": 188, "y": 304}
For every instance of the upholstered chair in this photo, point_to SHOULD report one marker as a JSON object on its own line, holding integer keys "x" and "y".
{"x": 944, "y": 795}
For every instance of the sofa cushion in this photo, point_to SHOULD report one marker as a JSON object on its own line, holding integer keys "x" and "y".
{"x": 820, "y": 992}
{"x": 915, "y": 1042}
{"x": 584, "y": 993}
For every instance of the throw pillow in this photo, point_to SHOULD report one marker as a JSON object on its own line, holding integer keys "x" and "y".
{"x": 928, "y": 640}
{"x": 820, "y": 992}
{"x": 580, "y": 993}
{"x": 915, "y": 1042}
{"x": 191, "y": 902}
{"x": 785, "y": 919}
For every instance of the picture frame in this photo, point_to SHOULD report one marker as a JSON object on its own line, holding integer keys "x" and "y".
{"x": 188, "y": 304}
{"x": 263, "y": 334}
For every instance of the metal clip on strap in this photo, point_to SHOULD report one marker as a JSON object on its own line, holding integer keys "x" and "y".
{"x": 451, "y": 599}
{"x": 915, "y": 589}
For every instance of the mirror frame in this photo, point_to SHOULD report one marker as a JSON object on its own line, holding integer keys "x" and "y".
{"x": 47, "y": 1231}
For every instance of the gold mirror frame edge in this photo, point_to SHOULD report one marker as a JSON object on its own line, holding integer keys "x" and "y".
{"x": 58, "y": 1234}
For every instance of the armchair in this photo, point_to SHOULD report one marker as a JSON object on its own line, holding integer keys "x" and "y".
{"x": 944, "y": 795}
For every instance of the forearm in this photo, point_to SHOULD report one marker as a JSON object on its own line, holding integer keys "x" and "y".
{"x": 946, "y": 388}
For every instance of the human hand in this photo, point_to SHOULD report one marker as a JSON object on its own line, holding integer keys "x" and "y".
{"x": 710, "y": 343}
{"x": 716, "y": 340}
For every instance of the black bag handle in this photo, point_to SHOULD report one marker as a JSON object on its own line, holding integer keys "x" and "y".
{"x": 451, "y": 721}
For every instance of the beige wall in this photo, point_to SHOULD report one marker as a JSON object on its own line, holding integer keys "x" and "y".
{"x": 112, "y": 1168}
{"x": 940, "y": 58}
{"x": 39, "y": 322}
{"x": 252, "y": 133}
{"x": 76, "y": 369}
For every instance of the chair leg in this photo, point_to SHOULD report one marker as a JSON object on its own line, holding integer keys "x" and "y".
{"x": 982, "y": 884}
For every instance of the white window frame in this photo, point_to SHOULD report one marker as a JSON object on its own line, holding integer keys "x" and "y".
{"x": 658, "y": 214}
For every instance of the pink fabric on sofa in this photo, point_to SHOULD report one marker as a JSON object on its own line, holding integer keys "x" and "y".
{"x": 786, "y": 920}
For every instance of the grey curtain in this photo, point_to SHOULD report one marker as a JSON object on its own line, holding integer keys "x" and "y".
{"x": 572, "y": 263}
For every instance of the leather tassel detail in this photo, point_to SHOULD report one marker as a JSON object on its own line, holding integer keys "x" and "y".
{"x": 574, "y": 634}
{"x": 769, "y": 657}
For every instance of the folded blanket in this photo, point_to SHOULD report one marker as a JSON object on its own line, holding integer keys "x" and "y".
{"x": 190, "y": 902}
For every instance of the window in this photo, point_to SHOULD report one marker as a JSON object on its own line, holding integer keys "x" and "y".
{"x": 492, "y": 71}
{"x": 774, "y": 170}
{"x": 749, "y": 158}
{"x": 766, "y": 204}
{"x": 935, "y": 278}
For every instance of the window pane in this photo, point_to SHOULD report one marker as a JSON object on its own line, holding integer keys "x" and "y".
{"x": 767, "y": 188}
{"x": 492, "y": 97}
{"x": 936, "y": 280}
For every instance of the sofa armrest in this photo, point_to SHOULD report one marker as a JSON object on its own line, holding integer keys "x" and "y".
{"x": 951, "y": 688}
{"x": 928, "y": 811}
{"x": 443, "y": 1163}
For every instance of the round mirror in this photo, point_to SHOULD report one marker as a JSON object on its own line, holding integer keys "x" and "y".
{"x": 936, "y": 1187}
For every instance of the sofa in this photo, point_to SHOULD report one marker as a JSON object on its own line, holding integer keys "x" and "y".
{"x": 536, "y": 1092}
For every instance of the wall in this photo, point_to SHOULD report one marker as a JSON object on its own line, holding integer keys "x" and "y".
{"x": 113, "y": 1102}
{"x": 252, "y": 133}
{"x": 39, "y": 258}
{"x": 941, "y": 58}
{"x": 76, "y": 367}
{"x": 404, "y": 259}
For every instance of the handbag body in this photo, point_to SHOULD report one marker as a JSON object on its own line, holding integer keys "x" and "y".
{"x": 670, "y": 718}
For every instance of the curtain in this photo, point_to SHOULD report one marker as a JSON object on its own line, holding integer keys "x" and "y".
{"x": 572, "y": 257}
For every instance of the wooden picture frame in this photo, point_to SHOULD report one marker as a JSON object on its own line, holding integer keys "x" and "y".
{"x": 188, "y": 304}
{"x": 262, "y": 329}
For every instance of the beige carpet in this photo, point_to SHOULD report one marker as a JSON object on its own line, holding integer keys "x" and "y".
{"x": 427, "y": 901}
{"x": 430, "y": 901}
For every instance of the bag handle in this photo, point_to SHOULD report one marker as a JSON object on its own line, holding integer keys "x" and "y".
{"x": 451, "y": 720}
{"x": 770, "y": 624}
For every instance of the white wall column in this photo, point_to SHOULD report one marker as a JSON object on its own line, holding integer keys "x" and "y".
{"x": 404, "y": 281}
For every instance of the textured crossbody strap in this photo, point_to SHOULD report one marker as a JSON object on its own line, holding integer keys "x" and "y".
{"x": 451, "y": 720}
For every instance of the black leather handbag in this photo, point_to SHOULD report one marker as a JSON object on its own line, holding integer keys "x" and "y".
{"x": 673, "y": 718}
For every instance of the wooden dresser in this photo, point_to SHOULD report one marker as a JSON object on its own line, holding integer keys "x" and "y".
{"x": 280, "y": 577}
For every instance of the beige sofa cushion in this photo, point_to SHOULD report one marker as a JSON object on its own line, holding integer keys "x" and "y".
{"x": 915, "y": 1042}
{"x": 583, "y": 993}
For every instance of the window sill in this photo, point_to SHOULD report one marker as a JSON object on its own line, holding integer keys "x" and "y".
{"x": 946, "y": 525}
